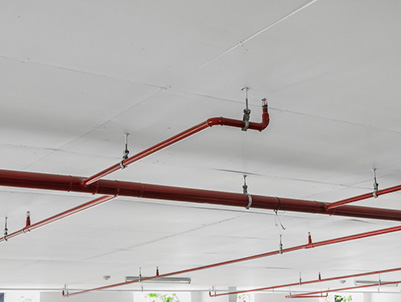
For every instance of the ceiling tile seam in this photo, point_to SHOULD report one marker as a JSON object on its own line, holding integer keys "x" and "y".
{"x": 333, "y": 120}
{"x": 94, "y": 129}
{"x": 85, "y": 72}
{"x": 178, "y": 92}
{"x": 28, "y": 191}
{"x": 184, "y": 93}
{"x": 215, "y": 208}
{"x": 200, "y": 207}
{"x": 27, "y": 146}
{"x": 364, "y": 183}
{"x": 241, "y": 43}
{"x": 164, "y": 238}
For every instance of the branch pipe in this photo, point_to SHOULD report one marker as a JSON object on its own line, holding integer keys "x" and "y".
{"x": 42, "y": 181}
{"x": 62, "y": 215}
{"x": 340, "y": 203}
{"x": 307, "y": 282}
{"x": 304, "y": 295}
{"x": 310, "y": 296}
{"x": 258, "y": 256}
{"x": 222, "y": 121}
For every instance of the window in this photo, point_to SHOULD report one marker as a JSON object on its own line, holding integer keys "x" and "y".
{"x": 244, "y": 298}
{"x": 20, "y": 296}
{"x": 162, "y": 297}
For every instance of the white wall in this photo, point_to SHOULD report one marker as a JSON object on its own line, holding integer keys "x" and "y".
{"x": 89, "y": 297}
{"x": 204, "y": 297}
{"x": 384, "y": 298}
{"x": 196, "y": 297}
{"x": 272, "y": 297}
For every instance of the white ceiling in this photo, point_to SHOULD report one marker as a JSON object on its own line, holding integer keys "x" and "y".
{"x": 76, "y": 75}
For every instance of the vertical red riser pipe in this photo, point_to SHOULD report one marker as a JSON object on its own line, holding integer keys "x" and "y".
{"x": 172, "y": 140}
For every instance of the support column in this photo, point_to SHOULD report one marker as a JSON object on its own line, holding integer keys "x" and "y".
{"x": 232, "y": 298}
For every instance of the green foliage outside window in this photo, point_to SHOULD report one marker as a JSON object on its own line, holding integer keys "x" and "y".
{"x": 338, "y": 298}
{"x": 243, "y": 298}
{"x": 154, "y": 297}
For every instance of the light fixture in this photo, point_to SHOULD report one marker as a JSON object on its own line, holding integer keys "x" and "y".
{"x": 160, "y": 280}
{"x": 368, "y": 282}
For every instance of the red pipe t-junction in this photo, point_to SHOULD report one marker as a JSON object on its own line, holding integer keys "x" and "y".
{"x": 277, "y": 252}
{"x": 123, "y": 188}
{"x": 222, "y": 121}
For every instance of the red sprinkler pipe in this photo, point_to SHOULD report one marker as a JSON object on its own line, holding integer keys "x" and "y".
{"x": 172, "y": 140}
{"x": 59, "y": 216}
{"x": 307, "y": 282}
{"x": 311, "y": 296}
{"x": 304, "y": 295}
{"x": 340, "y": 203}
{"x": 258, "y": 256}
{"x": 121, "y": 188}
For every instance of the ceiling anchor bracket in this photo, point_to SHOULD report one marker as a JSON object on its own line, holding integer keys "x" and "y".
{"x": 247, "y": 111}
{"x": 375, "y": 184}
{"x": 28, "y": 219}
{"x": 276, "y": 217}
{"x": 5, "y": 229}
{"x": 125, "y": 152}
{"x": 245, "y": 191}
{"x": 310, "y": 243}
{"x": 65, "y": 291}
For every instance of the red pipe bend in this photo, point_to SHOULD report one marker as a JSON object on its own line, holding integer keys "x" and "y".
{"x": 222, "y": 121}
{"x": 184, "y": 134}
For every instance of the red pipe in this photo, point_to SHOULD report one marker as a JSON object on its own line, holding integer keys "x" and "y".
{"x": 307, "y": 282}
{"x": 362, "y": 197}
{"x": 59, "y": 216}
{"x": 122, "y": 188}
{"x": 310, "y": 296}
{"x": 341, "y": 289}
{"x": 172, "y": 140}
{"x": 258, "y": 256}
